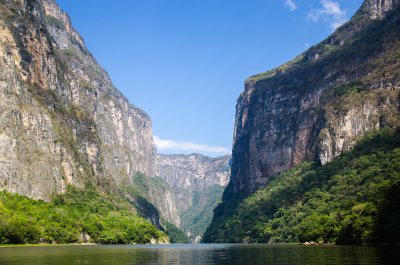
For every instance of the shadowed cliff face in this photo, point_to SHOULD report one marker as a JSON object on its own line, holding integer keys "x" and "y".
{"x": 62, "y": 121}
{"x": 319, "y": 104}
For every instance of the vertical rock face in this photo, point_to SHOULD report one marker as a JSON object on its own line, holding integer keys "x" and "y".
{"x": 164, "y": 199}
{"x": 197, "y": 183}
{"x": 187, "y": 174}
{"x": 377, "y": 8}
{"x": 61, "y": 119}
{"x": 319, "y": 104}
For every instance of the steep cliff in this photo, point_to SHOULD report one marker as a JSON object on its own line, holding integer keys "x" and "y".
{"x": 197, "y": 183}
{"x": 62, "y": 121}
{"x": 319, "y": 104}
{"x": 354, "y": 199}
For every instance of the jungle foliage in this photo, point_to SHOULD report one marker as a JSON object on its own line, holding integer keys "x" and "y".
{"x": 69, "y": 218}
{"x": 352, "y": 200}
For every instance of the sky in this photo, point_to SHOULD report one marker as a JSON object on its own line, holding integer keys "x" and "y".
{"x": 184, "y": 61}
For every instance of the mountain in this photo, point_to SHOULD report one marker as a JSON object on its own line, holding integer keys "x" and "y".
{"x": 313, "y": 108}
{"x": 64, "y": 126}
{"x": 62, "y": 120}
{"x": 319, "y": 104}
{"x": 197, "y": 183}
{"x": 69, "y": 137}
{"x": 354, "y": 199}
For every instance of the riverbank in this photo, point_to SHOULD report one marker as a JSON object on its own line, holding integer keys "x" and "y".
{"x": 46, "y": 245}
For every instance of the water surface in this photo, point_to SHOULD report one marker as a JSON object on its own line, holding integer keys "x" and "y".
{"x": 198, "y": 254}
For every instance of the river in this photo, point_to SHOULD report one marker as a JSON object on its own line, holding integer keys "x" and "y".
{"x": 198, "y": 254}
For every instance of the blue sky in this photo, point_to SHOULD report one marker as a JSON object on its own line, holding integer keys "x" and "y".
{"x": 184, "y": 61}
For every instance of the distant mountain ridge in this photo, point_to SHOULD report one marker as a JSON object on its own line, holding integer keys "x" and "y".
{"x": 197, "y": 183}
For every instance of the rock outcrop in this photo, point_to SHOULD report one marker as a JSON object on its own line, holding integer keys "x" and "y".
{"x": 62, "y": 122}
{"x": 197, "y": 183}
{"x": 165, "y": 200}
{"x": 378, "y": 8}
{"x": 187, "y": 174}
{"x": 319, "y": 104}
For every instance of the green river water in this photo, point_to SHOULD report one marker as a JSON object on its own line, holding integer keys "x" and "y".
{"x": 198, "y": 254}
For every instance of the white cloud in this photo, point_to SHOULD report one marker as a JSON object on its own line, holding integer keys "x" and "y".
{"x": 291, "y": 4}
{"x": 163, "y": 144}
{"x": 330, "y": 12}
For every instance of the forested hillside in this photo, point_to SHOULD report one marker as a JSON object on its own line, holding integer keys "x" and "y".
{"x": 352, "y": 200}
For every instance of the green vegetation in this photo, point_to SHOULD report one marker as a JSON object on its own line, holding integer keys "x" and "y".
{"x": 140, "y": 190}
{"x": 55, "y": 22}
{"x": 175, "y": 234}
{"x": 354, "y": 199}
{"x": 364, "y": 51}
{"x": 197, "y": 218}
{"x": 107, "y": 219}
{"x": 71, "y": 53}
{"x": 276, "y": 71}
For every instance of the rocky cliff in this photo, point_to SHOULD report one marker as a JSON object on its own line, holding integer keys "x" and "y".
{"x": 318, "y": 105}
{"x": 299, "y": 119}
{"x": 62, "y": 122}
{"x": 197, "y": 183}
{"x": 376, "y": 9}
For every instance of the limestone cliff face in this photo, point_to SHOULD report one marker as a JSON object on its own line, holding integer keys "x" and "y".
{"x": 378, "y": 8}
{"x": 61, "y": 119}
{"x": 319, "y": 104}
{"x": 165, "y": 200}
{"x": 187, "y": 174}
{"x": 197, "y": 183}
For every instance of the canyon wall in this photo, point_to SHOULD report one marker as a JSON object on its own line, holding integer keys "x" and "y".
{"x": 308, "y": 112}
{"x": 318, "y": 105}
{"x": 62, "y": 120}
{"x": 196, "y": 183}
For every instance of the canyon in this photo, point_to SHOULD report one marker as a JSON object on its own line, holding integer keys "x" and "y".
{"x": 64, "y": 124}
{"x": 66, "y": 130}
{"x": 197, "y": 183}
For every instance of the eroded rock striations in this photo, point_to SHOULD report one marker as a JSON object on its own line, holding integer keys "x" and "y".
{"x": 377, "y": 8}
{"x": 197, "y": 183}
{"x": 312, "y": 109}
{"x": 319, "y": 104}
{"x": 62, "y": 122}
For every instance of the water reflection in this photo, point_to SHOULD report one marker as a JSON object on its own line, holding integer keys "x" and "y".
{"x": 198, "y": 254}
